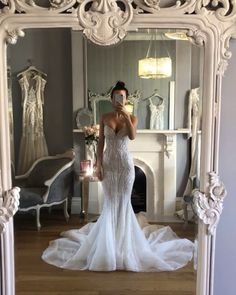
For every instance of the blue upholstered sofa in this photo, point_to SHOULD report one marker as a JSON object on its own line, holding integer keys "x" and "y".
{"x": 48, "y": 182}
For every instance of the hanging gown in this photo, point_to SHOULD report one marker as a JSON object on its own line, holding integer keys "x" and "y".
{"x": 33, "y": 144}
{"x": 119, "y": 240}
{"x": 193, "y": 125}
{"x": 157, "y": 115}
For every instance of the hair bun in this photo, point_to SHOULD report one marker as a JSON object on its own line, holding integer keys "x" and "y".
{"x": 120, "y": 84}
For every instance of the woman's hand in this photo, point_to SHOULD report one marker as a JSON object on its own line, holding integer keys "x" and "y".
{"x": 130, "y": 121}
{"x": 99, "y": 172}
{"x": 122, "y": 111}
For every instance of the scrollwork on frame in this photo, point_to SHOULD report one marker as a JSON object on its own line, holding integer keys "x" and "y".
{"x": 210, "y": 206}
{"x": 31, "y": 6}
{"x": 153, "y": 4}
{"x": 225, "y": 52}
{"x": 60, "y": 3}
{"x": 134, "y": 98}
{"x": 8, "y": 8}
{"x": 158, "y": 6}
{"x": 222, "y": 67}
{"x": 105, "y": 23}
{"x": 8, "y": 206}
{"x": 5, "y": 2}
{"x": 197, "y": 37}
{"x": 95, "y": 98}
{"x": 12, "y": 36}
{"x": 222, "y": 9}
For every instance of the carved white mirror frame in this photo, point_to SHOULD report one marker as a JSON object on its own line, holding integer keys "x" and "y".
{"x": 209, "y": 22}
{"x": 95, "y": 98}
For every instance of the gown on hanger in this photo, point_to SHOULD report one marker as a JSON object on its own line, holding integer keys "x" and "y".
{"x": 33, "y": 143}
{"x": 119, "y": 240}
{"x": 156, "y": 115}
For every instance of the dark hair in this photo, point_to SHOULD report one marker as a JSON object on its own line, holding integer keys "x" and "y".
{"x": 119, "y": 86}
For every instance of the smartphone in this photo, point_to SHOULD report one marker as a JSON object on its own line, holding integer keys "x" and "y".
{"x": 119, "y": 98}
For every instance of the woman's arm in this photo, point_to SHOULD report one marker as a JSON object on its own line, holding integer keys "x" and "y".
{"x": 131, "y": 121}
{"x": 100, "y": 148}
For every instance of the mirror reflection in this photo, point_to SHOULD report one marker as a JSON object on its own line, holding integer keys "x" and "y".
{"x": 59, "y": 90}
{"x": 157, "y": 67}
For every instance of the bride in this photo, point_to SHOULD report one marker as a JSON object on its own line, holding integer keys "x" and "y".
{"x": 119, "y": 240}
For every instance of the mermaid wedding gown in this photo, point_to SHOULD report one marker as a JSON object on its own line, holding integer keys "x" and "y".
{"x": 119, "y": 240}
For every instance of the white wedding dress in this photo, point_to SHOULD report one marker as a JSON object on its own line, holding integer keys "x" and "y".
{"x": 119, "y": 240}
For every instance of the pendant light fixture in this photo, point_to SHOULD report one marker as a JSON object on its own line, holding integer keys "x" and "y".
{"x": 154, "y": 67}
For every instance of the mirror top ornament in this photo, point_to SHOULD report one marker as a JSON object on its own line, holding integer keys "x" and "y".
{"x": 106, "y": 22}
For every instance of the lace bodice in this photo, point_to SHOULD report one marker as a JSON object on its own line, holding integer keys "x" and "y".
{"x": 116, "y": 155}
{"x": 114, "y": 139}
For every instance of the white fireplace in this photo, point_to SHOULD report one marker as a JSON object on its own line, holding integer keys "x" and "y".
{"x": 154, "y": 152}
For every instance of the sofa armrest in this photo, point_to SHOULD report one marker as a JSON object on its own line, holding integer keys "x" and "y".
{"x": 22, "y": 176}
{"x": 20, "y": 182}
{"x": 49, "y": 183}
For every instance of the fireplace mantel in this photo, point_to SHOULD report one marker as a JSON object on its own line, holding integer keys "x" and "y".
{"x": 148, "y": 131}
{"x": 155, "y": 152}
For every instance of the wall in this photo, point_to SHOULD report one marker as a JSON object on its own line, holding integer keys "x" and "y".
{"x": 109, "y": 64}
{"x": 225, "y": 260}
{"x": 182, "y": 85}
{"x": 50, "y": 51}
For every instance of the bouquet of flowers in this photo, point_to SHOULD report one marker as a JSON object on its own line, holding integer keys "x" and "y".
{"x": 91, "y": 134}
{"x": 91, "y": 140}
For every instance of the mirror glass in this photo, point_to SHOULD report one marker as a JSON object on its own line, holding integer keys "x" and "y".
{"x": 57, "y": 79}
{"x": 168, "y": 57}
{"x": 84, "y": 118}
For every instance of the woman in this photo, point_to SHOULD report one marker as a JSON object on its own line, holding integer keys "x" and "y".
{"x": 117, "y": 240}
{"x": 118, "y": 121}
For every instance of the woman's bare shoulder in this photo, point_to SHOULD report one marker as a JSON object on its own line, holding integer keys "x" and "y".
{"x": 107, "y": 116}
{"x": 111, "y": 114}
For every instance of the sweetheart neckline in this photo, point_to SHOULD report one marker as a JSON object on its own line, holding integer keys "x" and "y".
{"x": 116, "y": 133}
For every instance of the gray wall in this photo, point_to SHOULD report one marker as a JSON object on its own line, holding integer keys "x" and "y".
{"x": 50, "y": 51}
{"x": 182, "y": 86}
{"x": 225, "y": 260}
{"x": 109, "y": 64}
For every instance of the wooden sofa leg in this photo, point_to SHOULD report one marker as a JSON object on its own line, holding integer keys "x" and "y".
{"x": 67, "y": 216}
{"x": 38, "y": 218}
{"x": 185, "y": 208}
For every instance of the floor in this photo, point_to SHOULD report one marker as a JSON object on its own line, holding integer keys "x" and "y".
{"x": 34, "y": 277}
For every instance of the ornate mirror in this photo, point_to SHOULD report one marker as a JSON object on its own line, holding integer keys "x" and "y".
{"x": 84, "y": 118}
{"x": 196, "y": 31}
{"x": 101, "y": 104}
